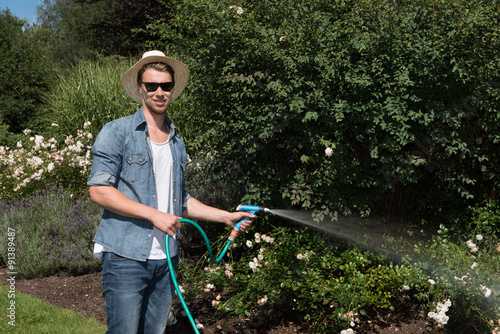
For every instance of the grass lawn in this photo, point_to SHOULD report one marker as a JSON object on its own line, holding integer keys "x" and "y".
{"x": 33, "y": 315}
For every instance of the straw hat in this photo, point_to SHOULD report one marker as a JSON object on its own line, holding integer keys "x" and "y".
{"x": 129, "y": 80}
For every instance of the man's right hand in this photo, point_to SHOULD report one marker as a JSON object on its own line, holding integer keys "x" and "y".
{"x": 166, "y": 222}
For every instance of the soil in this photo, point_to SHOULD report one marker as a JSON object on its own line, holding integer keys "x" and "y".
{"x": 83, "y": 294}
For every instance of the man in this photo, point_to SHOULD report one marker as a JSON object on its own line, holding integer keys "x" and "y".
{"x": 138, "y": 178}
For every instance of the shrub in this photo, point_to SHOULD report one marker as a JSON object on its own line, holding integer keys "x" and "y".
{"x": 345, "y": 106}
{"x": 283, "y": 270}
{"x": 53, "y": 232}
{"x": 464, "y": 267}
{"x": 292, "y": 269}
{"x": 37, "y": 161}
{"x": 471, "y": 268}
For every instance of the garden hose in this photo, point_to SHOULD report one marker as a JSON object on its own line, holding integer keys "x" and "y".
{"x": 171, "y": 268}
{"x": 248, "y": 208}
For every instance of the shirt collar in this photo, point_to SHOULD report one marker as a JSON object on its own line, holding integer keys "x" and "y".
{"x": 141, "y": 124}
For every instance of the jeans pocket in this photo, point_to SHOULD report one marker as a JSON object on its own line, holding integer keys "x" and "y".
{"x": 116, "y": 258}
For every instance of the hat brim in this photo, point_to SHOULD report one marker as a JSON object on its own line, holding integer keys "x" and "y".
{"x": 181, "y": 76}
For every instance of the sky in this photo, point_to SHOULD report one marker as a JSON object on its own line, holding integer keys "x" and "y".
{"x": 24, "y": 9}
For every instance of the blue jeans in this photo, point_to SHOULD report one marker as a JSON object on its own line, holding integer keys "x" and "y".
{"x": 137, "y": 295}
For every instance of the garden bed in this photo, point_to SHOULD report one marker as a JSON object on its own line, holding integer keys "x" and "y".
{"x": 83, "y": 294}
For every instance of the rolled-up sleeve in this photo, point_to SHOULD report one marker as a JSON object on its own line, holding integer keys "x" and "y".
{"x": 107, "y": 161}
{"x": 101, "y": 179}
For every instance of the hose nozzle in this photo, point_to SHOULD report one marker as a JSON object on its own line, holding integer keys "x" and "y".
{"x": 253, "y": 209}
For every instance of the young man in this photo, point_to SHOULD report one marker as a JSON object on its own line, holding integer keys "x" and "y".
{"x": 138, "y": 178}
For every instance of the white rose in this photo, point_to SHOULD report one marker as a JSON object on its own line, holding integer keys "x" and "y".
{"x": 328, "y": 152}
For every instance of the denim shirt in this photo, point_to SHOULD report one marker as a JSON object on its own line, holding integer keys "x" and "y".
{"x": 123, "y": 159}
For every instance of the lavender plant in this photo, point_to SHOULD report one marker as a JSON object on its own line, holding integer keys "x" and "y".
{"x": 54, "y": 231}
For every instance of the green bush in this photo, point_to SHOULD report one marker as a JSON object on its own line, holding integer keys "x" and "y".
{"x": 284, "y": 270}
{"x": 471, "y": 266}
{"x": 345, "y": 106}
{"x": 465, "y": 265}
{"x": 292, "y": 269}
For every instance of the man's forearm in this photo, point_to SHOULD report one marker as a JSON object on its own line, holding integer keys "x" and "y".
{"x": 113, "y": 200}
{"x": 198, "y": 210}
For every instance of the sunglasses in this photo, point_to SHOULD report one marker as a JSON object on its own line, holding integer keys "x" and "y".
{"x": 153, "y": 86}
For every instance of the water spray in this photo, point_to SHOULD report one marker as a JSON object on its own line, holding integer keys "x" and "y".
{"x": 368, "y": 233}
{"x": 395, "y": 241}
{"x": 234, "y": 233}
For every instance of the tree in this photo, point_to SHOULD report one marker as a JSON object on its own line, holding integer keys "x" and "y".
{"x": 81, "y": 29}
{"x": 24, "y": 74}
{"x": 117, "y": 32}
{"x": 64, "y": 27}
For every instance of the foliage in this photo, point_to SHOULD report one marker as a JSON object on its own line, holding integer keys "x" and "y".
{"x": 81, "y": 29}
{"x": 24, "y": 76}
{"x": 34, "y": 315}
{"x": 476, "y": 268}
{"x": 116, "y": 33}
{"x": 62, "y": 25}
{"x": 36, "y": 161}
{"x": 214, "y": 192}
{"x": 338, "y": 285}
{"x": 486, "y": 220}
{"x": 294, "y": 270}
{"x": 345, "y": 106}
{"x": 53, "y": 232}
{"x": 89, "y": 92}
{"x": 467, "y": 268}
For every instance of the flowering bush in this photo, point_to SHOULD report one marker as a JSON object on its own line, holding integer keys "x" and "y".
{"x": 347, "y": 111}
{"x": 37, "y": 161}
{"x": 294, "y": 270}
{"x": 335, "y": 286}
{"x": 467, "y": 271}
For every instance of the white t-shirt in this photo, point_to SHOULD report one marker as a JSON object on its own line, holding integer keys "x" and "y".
{"x": 162, "y": 168}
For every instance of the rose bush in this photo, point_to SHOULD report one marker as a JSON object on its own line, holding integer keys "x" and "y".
{"x": 404, "y": 94}
{"x": 37, "y": 161}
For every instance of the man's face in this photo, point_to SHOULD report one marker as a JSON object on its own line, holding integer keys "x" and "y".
{"x": 156, "y": 102}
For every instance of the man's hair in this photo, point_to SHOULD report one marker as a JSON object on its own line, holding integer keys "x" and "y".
{"x": 162, "y": 67}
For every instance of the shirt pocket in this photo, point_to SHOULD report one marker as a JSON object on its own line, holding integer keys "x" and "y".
{"x": 135, "y": 168}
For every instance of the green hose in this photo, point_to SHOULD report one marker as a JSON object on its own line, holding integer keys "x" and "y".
{"x": 172, "y": 273}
